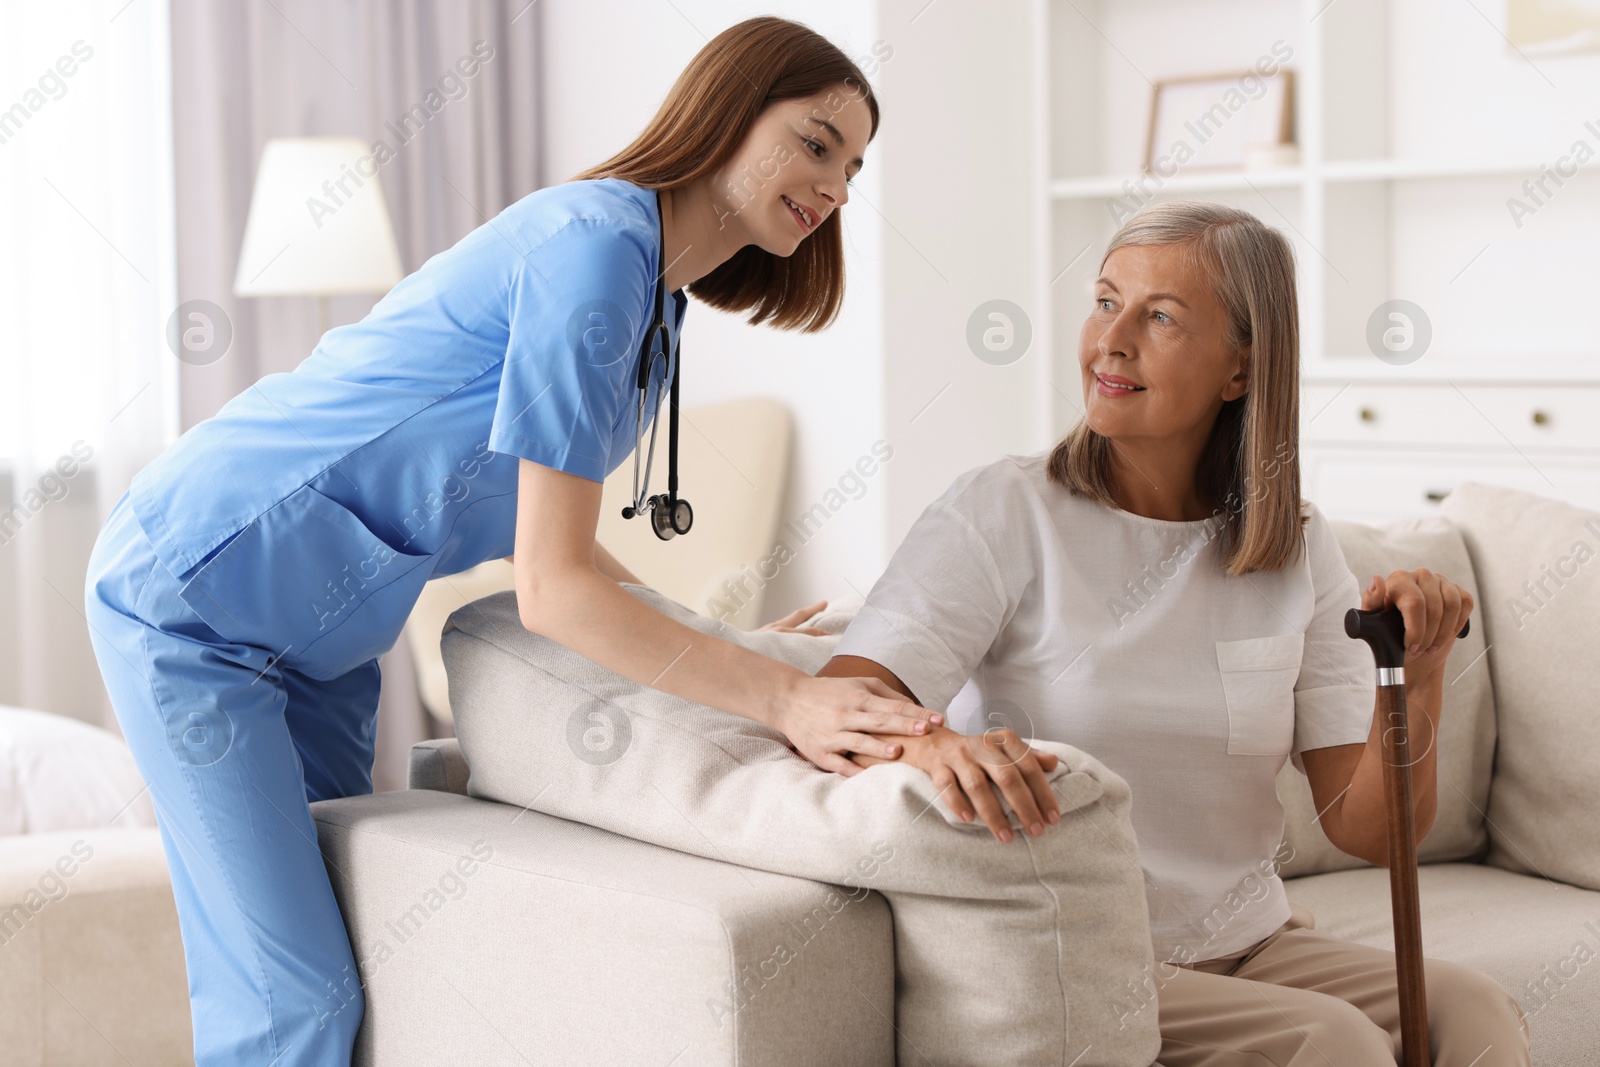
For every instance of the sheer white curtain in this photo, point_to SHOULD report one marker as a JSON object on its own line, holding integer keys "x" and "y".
{"x": 88, "y": 385}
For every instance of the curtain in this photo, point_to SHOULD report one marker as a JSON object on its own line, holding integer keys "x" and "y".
{"x": 87, "y": 384}
{"x": 130, "y": 133}
{"x": 463, "y": 148}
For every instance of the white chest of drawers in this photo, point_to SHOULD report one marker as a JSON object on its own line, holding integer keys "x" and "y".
{"x": 1372, "y": 451}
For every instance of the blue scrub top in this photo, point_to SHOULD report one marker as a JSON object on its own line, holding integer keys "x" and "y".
{"x": 389, "y": 455}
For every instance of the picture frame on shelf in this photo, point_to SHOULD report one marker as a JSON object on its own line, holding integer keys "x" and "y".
{"x": 1229, "y": 121}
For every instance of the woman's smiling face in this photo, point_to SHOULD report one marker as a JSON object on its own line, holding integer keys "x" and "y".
{"x": 1157, "y": 323}
{"x": 794, "y": 168}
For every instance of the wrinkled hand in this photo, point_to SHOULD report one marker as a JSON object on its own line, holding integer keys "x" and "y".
{"x": 962, "y": 767}
{"x": 1434, "y": 609}
{"x": 790, "y": 623}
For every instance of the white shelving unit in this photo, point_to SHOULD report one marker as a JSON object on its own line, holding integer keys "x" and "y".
{"x": 1416, "y": 123}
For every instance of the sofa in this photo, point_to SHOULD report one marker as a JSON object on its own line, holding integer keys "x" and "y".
{"x": 777, "y": 915}
{"x": 488, "y": 924}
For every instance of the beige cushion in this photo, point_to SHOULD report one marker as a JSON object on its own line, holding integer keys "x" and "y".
{"x": 733, "y": 462}
{"x": 1467, "y": 733}
{"x": 1537, "y": 565}
{"x": 1004, "y": 953}
{"x": 1540, "y": 940}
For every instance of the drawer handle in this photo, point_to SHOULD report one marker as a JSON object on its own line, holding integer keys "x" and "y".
{"x": 1436, "y": 495}
{"x": 1368, "y": 415}
{"x": 1540, "y": 418}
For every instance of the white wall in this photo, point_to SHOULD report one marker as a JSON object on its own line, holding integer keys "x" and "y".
{"x": 958, "y": 170}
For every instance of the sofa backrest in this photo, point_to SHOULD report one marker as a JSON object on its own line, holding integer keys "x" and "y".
{"x": 1538, "y": 564}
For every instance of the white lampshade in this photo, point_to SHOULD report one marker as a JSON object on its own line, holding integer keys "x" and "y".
{"x": 318, "y": 223}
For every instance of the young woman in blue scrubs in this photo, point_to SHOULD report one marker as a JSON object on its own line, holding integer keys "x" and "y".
{"x": 243, "y": 589}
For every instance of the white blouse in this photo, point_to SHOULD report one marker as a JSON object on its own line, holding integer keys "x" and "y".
{"x": 1121, "y": 636}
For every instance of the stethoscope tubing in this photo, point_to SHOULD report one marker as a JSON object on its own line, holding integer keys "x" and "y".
{"x": 676, "y": 516}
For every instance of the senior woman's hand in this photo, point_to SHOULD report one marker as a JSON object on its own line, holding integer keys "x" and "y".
{"x": 1434, "y": 609}
{"x": 963, "y": 765}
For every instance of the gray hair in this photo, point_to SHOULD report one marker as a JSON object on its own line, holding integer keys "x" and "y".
{"x": 1251, "y": 270}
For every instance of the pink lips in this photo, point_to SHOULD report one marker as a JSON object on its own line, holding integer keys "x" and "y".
{"x": 1105, "y": 387}
{"x": 800, "y": 217}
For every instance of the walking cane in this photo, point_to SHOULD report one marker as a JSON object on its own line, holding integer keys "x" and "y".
{"x": 1384, "y": 631}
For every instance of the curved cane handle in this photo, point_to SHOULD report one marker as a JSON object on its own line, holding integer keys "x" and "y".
{"x": 1384, "y": 630}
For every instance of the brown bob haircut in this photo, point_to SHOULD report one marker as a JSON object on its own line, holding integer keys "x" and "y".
{"x": 1250, "y": 462}
{"x": 703, "y": 122}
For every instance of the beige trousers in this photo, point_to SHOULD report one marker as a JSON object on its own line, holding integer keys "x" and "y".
{"x": 1300, "y": 998}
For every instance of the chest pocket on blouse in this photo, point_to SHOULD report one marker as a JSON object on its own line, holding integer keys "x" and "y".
{"x": 1258, "y": 676}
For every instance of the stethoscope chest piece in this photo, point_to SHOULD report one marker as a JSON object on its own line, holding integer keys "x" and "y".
{"x": 669, "y": 519}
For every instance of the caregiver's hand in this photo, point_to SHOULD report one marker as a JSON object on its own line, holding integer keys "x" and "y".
{"x": 825, "y": 718}
{"x": 963, "y": 765}
{"x": 790, "y": 623}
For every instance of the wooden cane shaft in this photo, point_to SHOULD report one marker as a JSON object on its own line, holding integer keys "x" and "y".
{"x": 1403, "y": 891}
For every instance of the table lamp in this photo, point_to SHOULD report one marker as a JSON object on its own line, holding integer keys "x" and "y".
{"x": 318, "y": 224}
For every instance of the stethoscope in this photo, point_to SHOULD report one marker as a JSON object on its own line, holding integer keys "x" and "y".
{"x": 669, "y": 514}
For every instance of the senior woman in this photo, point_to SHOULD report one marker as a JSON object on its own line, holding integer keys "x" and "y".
{"x": 1153, "y": 591}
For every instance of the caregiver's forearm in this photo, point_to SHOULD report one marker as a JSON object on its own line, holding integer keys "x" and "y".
{"x": 591, "y": 614}
{"x": 611, "y": 567}
{"x": 604, "y": 562}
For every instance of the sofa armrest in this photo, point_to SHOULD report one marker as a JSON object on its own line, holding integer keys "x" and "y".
{"x": 438, "y": 764}
{"x": 489, "y": 933}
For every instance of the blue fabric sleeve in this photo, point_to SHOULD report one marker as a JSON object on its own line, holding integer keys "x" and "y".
{"x": 576, "y": 309}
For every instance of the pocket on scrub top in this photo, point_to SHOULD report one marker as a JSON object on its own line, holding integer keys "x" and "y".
{"x": 296, "y": 577}
{"x": 1258, "y": 676}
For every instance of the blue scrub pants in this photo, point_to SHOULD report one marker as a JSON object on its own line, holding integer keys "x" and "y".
{"x": 234, "y": 745}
